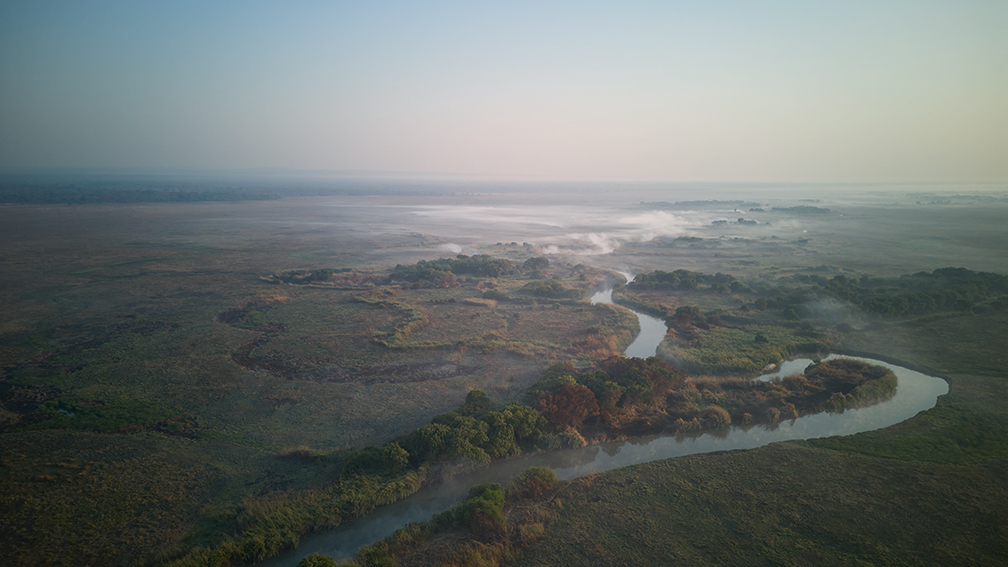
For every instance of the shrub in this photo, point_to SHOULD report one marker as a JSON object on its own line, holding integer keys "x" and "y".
{"x": 484, "y": 508}
{"x": 533, "y": 482}
{"x": 716, "y": 416}
{"x": 495, "y": 295}
{"x": 566, "y": 439}
{"x": 569, "y": 406}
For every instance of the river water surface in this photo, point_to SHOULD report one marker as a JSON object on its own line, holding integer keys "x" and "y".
{"x": 652, "y": 329}
{"x": 915, "y": 392}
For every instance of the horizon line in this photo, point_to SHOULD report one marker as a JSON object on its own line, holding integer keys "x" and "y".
{"x": 377, "y": 175}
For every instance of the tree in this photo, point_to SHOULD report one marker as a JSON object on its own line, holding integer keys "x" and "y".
{"x": 483, "y": 511}
{"x": 525, "y": 421}
{"x": 447, "y": 280}
{"x": 428, "y": 443}
{"x": 394, "y": 457}
{"x": 500, "y": 435}
{"x": 534, "y": 264}
{"x": 569, "y": 406}
{"x": 477, "y": 403}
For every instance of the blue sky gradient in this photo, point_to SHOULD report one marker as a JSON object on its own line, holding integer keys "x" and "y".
{"x": 675, "y": 91}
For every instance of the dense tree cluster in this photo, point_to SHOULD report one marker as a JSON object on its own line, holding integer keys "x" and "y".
{"x": 535, "y": 263}
{"x": 551, "y": 289}
{"x": 442, "y": 272}
{"x": 568, "y": 398}
{"x": 563, "y": 398}
{"x": 944, "y": 289}
{"x": 687, "y": 280}
{"x": 475, "y": 433}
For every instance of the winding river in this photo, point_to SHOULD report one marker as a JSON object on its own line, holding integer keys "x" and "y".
{"x": 915, "y": 392}
{"x": 652, "y": 329}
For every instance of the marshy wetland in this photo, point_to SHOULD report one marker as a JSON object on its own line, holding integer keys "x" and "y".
{"x": 186, "y": 383}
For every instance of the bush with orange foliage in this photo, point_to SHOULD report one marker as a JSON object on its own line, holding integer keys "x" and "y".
{"x": 569, "y": 406}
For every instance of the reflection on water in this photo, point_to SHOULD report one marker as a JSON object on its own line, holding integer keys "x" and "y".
{"x": 652, "y": 332}
{"x": 604, "y": 296}
{"x": 787, "y": 368}
{"x": 652, "y": 329}
{"x": 915, "y": 392}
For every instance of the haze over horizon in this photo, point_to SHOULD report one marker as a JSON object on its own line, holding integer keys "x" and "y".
{"x": 646, "y": 91}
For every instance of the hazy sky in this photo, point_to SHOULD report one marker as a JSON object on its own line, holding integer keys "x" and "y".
{"x": 710, "y": 91}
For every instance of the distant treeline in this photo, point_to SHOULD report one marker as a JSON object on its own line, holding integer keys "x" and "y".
{"x": 73, "y": 195}
{"x": 687, "y": 280}
{"x": 707, "y": 203}
{"x": 944, "y": 289}
{"x": 87, "y": 188}
{"x": 802, "y": 210}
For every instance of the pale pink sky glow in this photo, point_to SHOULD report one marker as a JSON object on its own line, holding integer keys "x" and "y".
{"x": 732, "y": 91}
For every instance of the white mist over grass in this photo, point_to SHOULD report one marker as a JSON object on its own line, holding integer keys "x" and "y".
{"x": 876, "y": 228}
{"x": 560, "y": 229}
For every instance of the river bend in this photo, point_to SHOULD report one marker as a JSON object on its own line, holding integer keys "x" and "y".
{"x": 915, "y": 392}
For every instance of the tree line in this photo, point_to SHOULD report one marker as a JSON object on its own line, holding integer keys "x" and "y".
{"x": 944, "y": 289}
{"x": 686, "y": 280}
{"x": 444, "y": 272}
{"x": 47, "y": 195}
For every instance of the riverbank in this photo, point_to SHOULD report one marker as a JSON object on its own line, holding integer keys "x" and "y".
{"x": 916, "y": 393}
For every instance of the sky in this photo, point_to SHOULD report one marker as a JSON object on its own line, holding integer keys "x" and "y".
{"x": 636, "y": 91}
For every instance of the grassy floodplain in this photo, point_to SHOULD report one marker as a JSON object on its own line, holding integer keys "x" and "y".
{"x": 204, "y": 396}
{"x": 930, "y": 490}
